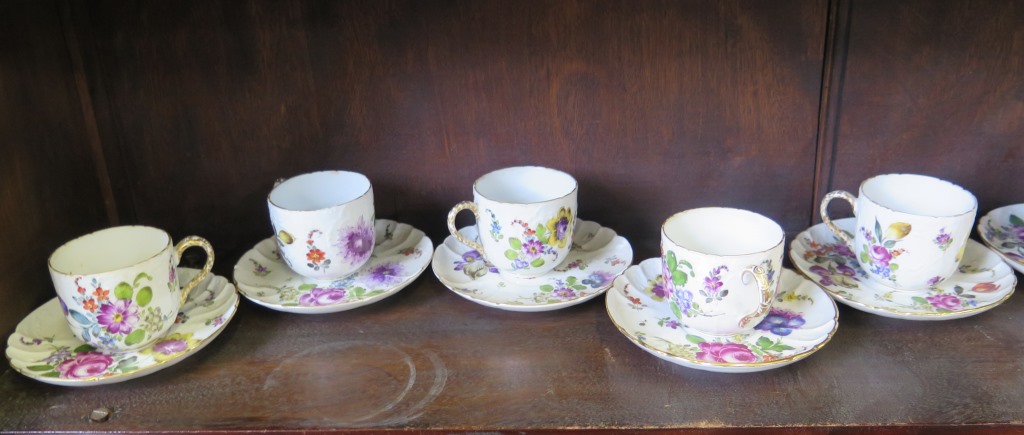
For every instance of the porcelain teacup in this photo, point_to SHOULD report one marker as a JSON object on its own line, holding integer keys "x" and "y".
{"x": 323, "y": 223}
{"x": 709, "y": 256}
{"x": 118, "y": 287}
{"x": 911, "y": 230}
{"x": 525, "y": 216}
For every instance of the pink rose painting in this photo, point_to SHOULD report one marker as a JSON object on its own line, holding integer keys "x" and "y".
{"x": 85, "y": 365}
{"x": 725, "y": 353}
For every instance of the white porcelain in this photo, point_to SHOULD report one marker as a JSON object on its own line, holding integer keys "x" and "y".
{"x": 43, "y": 348}
{"x": 119, "y": 287}
{"x": 598, "y": 255}
{"x": 323, "y": 223}
{"x": 982, "y": 282}
{"x": 1002, "y": 229}
{"x": 526, "y": 215}
{"x": 401, "y": 255}
{"x": 722, "y": 263}
{"x": 911, "y": 229}
{"x": 801, "y": 321}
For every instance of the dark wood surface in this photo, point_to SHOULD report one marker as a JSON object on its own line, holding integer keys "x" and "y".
{"x": 428, "y": 359}
{"x": 181, "y": 114}
{"x": 49, "y": 189}
{"x": 655, "y": 107}
{"x": 931, "y": 88}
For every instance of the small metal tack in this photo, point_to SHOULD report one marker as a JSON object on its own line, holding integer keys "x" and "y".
{"x": 100, "y": 415}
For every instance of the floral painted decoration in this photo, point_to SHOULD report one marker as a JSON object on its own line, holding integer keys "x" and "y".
{"x": 943, "y": 240}
{"x": 676, "y": 272}
{"x": 835, "y": 268}
{"x": 316, "y": 259}
{"x": 880, "y": 251}
{"x": 356, "y": 242}
{"x": 495, "y": 229}
{"x": 530, "y": 249}
{"x": 744, "y": 349}
{"x": 1008, "y": 238}
{"x": 122, "y": 315}
{"x": 781, "y": 322}
{"x": 560, "y": 291}
{"x": 473, "y": 265}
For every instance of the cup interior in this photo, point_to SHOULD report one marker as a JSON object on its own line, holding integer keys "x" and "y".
{"x": 525, "y": 185}
{"x": 109, "y": 250}
{"x": 919, "y": 195}
{"x": 319, "y": 190}
{"x": 723, "y": 231}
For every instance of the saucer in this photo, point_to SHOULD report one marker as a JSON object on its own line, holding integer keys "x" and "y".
{"x": 43, "y": 347}
{"x": 597, "y": 256}
{"x": 401, "y": 254}
{"x": 982, "y": 281}
{"x": 801, "y": 321}
{"x": 1002, "y": 230}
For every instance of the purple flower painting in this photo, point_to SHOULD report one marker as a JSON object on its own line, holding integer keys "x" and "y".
{"x": 781, "y": 322}
{"x": 322, "y": 296}
{"x": 119, "y": 317}
{"x": 356, "y": 242}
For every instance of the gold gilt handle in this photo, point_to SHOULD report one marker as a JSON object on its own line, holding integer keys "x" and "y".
{"x": 464, "y": 205}
{"x": 760, "y": 275}
{"x": 845, "y": 196}
{"x": 188, "y": 242}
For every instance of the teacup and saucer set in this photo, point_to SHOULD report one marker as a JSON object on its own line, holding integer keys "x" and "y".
{"x": 1002, "y": 230}
{"x": 328, "y": 252}
{"x": 527, "y": 250}
{"x": 907, "y": 253}
{"x": 119, "y": 312}
{"x": 718, "y": 299}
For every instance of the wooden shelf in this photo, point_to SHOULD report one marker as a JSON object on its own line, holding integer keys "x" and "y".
{"x": 426, "y": 359}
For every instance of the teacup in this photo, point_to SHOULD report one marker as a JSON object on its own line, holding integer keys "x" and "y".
{"x": 709, "y": 256}
{"x": 323, "y": 223}
{"x": 911, "y": 230}
{"x": 119, "y": 287}
{"x": 525, "y": 216}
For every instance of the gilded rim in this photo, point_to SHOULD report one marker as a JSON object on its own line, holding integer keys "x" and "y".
{"x": 874, "y": 309}
{"x": 575, "y": 186}
{"x": 157, "y": 365}
{"x": 974, "y": 208}
{"x": 776, "y": 245}
{"x": 170, "y": 244}
{"x": 369, "y": 189}
{"x": 764, "y": 364}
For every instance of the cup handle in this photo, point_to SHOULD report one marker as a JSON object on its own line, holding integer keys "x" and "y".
{"x": 188, "y": 242}
{"x": 760, "y": 275}
{"x": 464, "y": 205}
{"x": 846, "y": 196}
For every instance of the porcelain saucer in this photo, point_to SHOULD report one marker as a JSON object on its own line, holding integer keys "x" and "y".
{"x": 982, "y": 282}
{"x": 802, "y": 320}
{"x": 401, "y": 254}
{"x": 597, "y": 256}
{"x": 43, "y": 347}
{"x": 1002, "y": 230}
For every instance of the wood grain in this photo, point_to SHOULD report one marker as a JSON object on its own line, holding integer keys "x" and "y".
{"x": 49, "y": 191}
{"x": 481, "y": 369}
{"x": 933, "y": 88}
{"x": 182, "y": 114}
{"x": 654, "y": 106}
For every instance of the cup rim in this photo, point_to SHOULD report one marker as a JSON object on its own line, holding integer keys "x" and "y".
{"x": 369, "y": 188}
{"x": 774, "y": 246}
{"x": 575, "y": 185}
{"x": 49, "y": 261}
{"x": 862, "y": 193}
